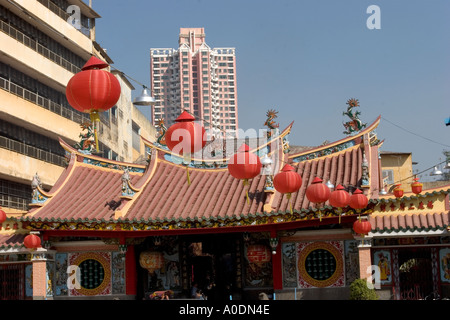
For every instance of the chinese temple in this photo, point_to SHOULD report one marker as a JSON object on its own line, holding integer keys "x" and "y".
{"x": 310, "y": 222}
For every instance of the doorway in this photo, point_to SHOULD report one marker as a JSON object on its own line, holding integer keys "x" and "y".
{"x": 415, "y": 270}
{"x": 214, "y": 266}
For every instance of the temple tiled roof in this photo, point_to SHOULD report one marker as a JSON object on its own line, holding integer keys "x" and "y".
{"x": 90, "y": 189}
{"x": 11, "y": 241}
{"x": 340, "y": 168}
{"x": 410, "y": 222}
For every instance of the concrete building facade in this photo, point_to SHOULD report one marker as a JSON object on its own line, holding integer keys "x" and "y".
{"x": 41, "y": 49}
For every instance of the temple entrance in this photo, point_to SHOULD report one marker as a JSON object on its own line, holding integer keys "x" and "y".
{"x": 182, "y": 264}
{"x": 415, "y": 269}
{"x": 214, "y": 264}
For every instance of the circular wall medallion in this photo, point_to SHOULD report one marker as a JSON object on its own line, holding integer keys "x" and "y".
{"x": 320, "y": 264}
{"x": 95, "y": 273}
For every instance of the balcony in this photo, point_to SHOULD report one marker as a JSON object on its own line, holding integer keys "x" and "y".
{"x": 13, "y": 161}
{"x": 47, "y": 70}
{"x": 56, "y": 19}
{"x": 37, "y": 47}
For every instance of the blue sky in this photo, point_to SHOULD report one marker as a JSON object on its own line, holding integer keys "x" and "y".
{"x": 307, "y": 58}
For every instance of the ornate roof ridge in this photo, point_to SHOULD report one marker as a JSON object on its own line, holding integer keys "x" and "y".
{"x": 211, "y": 163}
{"x": 96, "y": 160}
{"x": 343, "y": 141}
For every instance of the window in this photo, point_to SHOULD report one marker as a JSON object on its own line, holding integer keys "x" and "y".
{"x": 92, "y": 274}
{"x": 136, "y": 139}
{"x": 320, "y": 264}
{"x": 388, "y": 177}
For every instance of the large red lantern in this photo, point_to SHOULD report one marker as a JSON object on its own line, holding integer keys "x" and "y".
{"x": 185, "y": 137}
{"x": 93, "y": 90}
{"x": 244, "y": 165}
{"x": 318, "y": 192}
{"x": 416, "y": 186}
{"x": 398, "y": 191}
{"x": 258, "y": 253}
{"x": 2, "y": 216}
{"x": 358, "y": 200}
{"x": 339, "y": 198}
{"x": 287, "y": 181}
{"x": 362, "y": 227}
{"x": 151, "y": 260}
{"x": 32, "y": 241}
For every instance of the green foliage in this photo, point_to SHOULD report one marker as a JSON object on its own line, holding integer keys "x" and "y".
{"x": 360, "y": 291}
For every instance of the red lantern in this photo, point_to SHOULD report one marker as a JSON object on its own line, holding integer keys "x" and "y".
{"x": 358, "y": 200}
{"x": 151, "y": 260}
{"x": 339, "y": 198}
{"x": 416, "y": 186}
{"x": 93, "y": 90}
{"x": 398, "y": 191}
{"x": 362, "y": 227}
{"x": 185, "y": 137}
{"x": 244, "y": 165}
{"x": 2, "y": 216}
{"x": 287, "y": 181}
{"x": 258, "y": 253}
{"x": 318, "y": 192}
{"x": 32, "y": 241}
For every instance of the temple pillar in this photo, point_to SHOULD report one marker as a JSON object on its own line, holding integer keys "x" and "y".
{"x": 39, "y": 274}
{"x": 130, "y": 268}
{"x": 365, "y": 258}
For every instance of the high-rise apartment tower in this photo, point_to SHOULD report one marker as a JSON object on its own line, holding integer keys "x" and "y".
{"x": 198, "y": 79}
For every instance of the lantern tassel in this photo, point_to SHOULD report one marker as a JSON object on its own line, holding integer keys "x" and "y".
{"x": 95, "y": 118}
{"x": 290, "y": 201}
{"x": 187, "y": 161}
{"x": 188, "y": 177}
{"x": 245, "y": 183}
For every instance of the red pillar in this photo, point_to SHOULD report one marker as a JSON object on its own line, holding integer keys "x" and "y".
{"x": 277, "y": 272}
{"x": 130, "y": 271}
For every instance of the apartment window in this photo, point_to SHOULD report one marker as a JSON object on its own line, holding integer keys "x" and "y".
{"x": 38, "y": 40}
{"x": 136, "y": 139}
{"x": 15, "y": 195}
